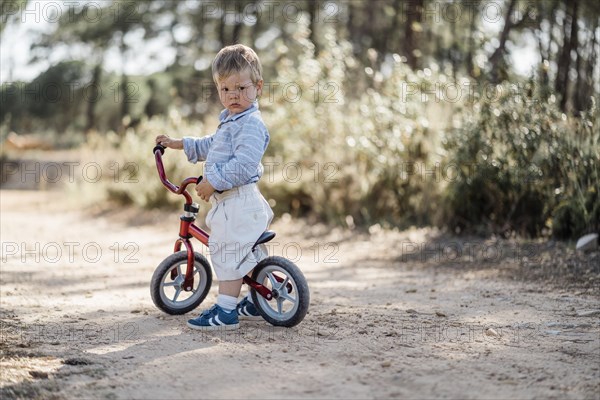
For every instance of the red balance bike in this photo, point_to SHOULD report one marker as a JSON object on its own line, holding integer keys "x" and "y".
{"x": 182, "y": 281}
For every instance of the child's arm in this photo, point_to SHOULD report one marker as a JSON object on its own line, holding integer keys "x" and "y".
{"x": 196, "y": 149}
{"x": 171, "y": 143}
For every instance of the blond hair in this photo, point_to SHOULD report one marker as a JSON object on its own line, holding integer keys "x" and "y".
{"x": 235, "y": 59}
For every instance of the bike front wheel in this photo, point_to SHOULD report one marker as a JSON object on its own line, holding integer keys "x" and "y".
{"x": 166, "y": 287}
{"x": 286, "y": 282}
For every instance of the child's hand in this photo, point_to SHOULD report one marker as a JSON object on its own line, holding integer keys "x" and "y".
{"x": 171, "y": 143}
{"x": 204, "y": 189}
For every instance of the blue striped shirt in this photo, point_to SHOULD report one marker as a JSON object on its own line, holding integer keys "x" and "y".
{"x": 234, "y": 151}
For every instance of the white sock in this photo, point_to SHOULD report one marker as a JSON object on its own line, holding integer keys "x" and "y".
{"x": 227, "y": 303}
{"x": 249, "y": 297}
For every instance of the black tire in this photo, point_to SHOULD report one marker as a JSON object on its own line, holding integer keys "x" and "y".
{"x": 273, "y": 311}
{"x": 161, "y": 280}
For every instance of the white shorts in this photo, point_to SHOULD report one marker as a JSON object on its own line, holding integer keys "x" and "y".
{"x": 236, "y": 220}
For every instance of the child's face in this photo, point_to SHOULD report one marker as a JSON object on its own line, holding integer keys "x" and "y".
{"x": 237, "y": 92}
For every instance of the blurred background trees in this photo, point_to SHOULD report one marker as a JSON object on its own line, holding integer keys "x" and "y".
{"x": 474, "y": 115}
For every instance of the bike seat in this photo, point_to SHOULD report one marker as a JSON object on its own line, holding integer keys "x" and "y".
{"x": 264, "y": 238}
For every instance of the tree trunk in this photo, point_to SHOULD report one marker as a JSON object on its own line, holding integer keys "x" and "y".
{"x": 498, "y": 55}
{"x": 545, "y": 50}
{"x": 552, "y": 20}
{"x": 471, "y": 46}
{"x": 124, "y": 101}
{"x": 353, "y": 28}
{"x": 579, "y": 92}
{"x": 222, "y": 37}
{"x": 312, "y": 15}
{"x": 569, "y": 45}
{"x": 585, "y": 83}
{"x": 368, "y": 27}
{"x": 123, "y": 87}
{"x": 389, "y": 39}
{"x": 91, "y": 102}
{"x": 414, "y": 10}
{"x": 238, "y": 24}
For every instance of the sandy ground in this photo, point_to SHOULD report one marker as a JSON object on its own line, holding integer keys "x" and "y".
{"x": 392, "y": 315}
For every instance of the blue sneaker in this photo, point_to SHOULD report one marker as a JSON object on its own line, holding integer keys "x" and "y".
{"x": 215, "y": 318}
{"x": 247, "y": 310}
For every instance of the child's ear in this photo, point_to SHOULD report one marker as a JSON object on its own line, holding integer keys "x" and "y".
{"x": 259, "y": 87}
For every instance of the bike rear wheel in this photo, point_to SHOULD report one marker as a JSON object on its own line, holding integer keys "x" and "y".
{"x": 169, "y": 295}
{"x": 288, "y": 285}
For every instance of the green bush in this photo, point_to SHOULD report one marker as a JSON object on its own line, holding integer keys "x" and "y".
{"x": 568, "y": 220}
{"x": 356, "y": 143}
{"x": 524, "y": 166}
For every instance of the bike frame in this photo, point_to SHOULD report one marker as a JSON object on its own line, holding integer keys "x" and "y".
{"x": 187, "y": 228}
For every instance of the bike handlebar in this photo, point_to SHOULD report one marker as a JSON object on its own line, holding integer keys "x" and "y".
{"x": 160, "y": 148}
{"x": 158, "y": 151}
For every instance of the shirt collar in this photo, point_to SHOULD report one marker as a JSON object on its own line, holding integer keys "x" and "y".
{"x": 225, "y": 117}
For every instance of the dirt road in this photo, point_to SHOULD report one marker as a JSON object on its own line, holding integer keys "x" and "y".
{"x": 393, "y": 315}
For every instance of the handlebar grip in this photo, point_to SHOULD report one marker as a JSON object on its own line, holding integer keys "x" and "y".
{"x": 160, "y": 148}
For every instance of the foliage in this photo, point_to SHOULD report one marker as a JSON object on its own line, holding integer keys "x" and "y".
{"x": 357, "y": 103}
{"x": 129, "y": 171}
{"x": 523, "y": 166}
{"x": 512, "y": 162}
{"x": 10, "y": 11}
{"x": 57, "y": 100}
{"x": 348, "y": 157}
{"x": 31, "y": 106}
{"x": 462, "y": 36}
